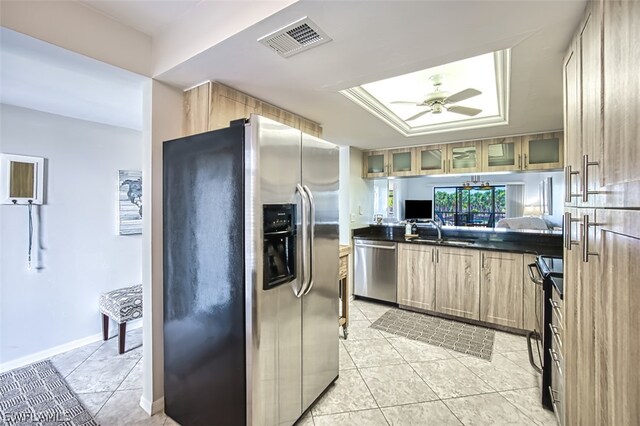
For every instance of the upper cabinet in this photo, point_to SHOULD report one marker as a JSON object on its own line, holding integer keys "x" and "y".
{"x": 464, "y": 157}
{"x": 401, "y": 162}
{"x": 228, "y": 105}
{"x": 543, "y": 151}
{"x": 212, "y": 106}
{"x": 502, "y": 154}
{"x": 431, "y": 159}
{"x": 376, "y": 164}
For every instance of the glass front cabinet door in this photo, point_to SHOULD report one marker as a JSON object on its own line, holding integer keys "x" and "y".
{"x": 542, "y": 151}
{"x": 502, "y": 154}
{"x": 401, "y": 162}
{"x": 376, "y": 164}
{"x": 465, "y": 157}
{"x": 431, "y": 160}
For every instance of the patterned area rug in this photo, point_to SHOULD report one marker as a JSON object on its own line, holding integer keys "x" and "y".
{"x": 458, "y": 336}
{"x": 38, "y": 395}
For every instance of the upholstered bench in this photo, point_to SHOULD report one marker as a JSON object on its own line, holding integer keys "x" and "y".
{"x": 121, "y": 305}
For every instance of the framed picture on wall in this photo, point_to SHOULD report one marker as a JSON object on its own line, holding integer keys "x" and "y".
{"x": 129, "y": 202}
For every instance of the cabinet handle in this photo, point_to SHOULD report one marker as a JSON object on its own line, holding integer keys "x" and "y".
{"x": 482, "y": 257}
{"x": 433, "y": 255}
{"x": 585, "y": 177}
{"x": 585, "y": 237}
{"x": 525, "y": 161}
{"x": 568, "y": 242}
{"x": 437, "y": 256}
{"x": 520, "y": 161}
{"x": 568, "y": 173}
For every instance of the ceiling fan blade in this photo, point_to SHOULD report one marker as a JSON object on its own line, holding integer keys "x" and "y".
{"x": 418, "y": 115}
{"x": 405, "y": 103}
{"x": 464, "y": 110}
{"x": 461, "y": 96}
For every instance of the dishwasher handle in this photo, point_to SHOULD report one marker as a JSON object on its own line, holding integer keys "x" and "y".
{"x": 376, "y": 246}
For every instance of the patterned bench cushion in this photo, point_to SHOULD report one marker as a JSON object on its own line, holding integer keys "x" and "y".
{"x": 123, "y": 304}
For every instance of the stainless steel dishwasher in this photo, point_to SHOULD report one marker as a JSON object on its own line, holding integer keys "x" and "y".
{"x": 375, "y": 270}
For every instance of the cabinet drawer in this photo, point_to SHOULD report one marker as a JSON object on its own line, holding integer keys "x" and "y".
{"x": 343, "y": 268}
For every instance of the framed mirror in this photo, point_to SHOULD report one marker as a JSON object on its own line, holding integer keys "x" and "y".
{"x": 22, "y": 179}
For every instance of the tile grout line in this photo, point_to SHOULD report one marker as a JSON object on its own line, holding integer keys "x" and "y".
{"x": 427, "y": 384}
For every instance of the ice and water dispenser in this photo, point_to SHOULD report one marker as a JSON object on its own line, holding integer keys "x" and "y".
{"x": 279, "y": 233}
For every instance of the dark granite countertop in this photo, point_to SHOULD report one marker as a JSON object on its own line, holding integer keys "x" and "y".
{"x": 539, "y": 243}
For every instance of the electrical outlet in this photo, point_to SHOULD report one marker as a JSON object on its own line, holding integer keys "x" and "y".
{"x": 352, "y": 218}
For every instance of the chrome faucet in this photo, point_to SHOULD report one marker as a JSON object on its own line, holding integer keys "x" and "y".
{"x": 438, "y": 227}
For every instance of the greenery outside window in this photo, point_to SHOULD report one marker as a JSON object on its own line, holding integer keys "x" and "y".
{"x": 481, "y": 206}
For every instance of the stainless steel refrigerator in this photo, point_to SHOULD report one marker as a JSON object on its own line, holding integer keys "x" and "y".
{"x": 250, "y": 228}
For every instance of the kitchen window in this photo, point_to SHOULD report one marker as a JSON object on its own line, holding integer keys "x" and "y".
{"x": 479, "y": 206}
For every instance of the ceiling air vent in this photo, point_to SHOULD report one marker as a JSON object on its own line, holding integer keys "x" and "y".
{"x": 295, "y": 38}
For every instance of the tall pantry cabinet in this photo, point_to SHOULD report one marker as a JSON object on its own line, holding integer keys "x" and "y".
{"x": 602, "y": 216}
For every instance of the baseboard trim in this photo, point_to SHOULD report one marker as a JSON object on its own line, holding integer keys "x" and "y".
{"x": 56, "y": 350}
{"x": 154, "y": 407}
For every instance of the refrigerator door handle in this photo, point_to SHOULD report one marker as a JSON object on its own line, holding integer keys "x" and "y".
{"x": 305, "y": 237}
{"x": 312, "y": 226}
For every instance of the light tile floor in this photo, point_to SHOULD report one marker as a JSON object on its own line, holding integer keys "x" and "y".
{"x": 384, "y": 380}
{"x": 390, "y": 380}
{"x": 109, "y": 385}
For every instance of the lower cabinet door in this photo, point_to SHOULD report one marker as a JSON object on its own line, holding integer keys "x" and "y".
{"x": 501, "y": 288}
{"x": 416, "y": 276}
{"x": 528, "y": 295}
{"x": 458, "y": 276}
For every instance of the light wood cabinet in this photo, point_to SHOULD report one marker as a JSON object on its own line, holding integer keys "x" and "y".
{"x": 212, "y": 106}
{"x": 195, "y": 118}
{"x": 280, "y": 115}
{"x": 528, "y": 295}
{"x": 502, "y": 154}
{"x": 464, "y": 157}
{"x": 572, "y": 127}
{"x": 458, "y": 286}
{"x": 401, "y": 162}
{"x": 579, "y": 342}
{"x": 375, "y": 164}
{"x": 228, "y": 105}
{"x": 501, "y": 288}
{"x": 310, "y": 127}
{"x": 431, "y": 159}
{"x": 542, "y": 151}
{"x": 617, "y": 315}
{"x": 602, "y": 296}
{"x": 417, "y": 276}
{"x": 619, "y": 171}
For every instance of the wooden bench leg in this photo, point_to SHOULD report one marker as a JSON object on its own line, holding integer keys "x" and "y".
{"x": 105, "y": 327}
{"x": 121, "y": 334}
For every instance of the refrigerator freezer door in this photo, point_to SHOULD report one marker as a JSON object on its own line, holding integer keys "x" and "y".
{"x": 320, "y": 169}
{"x": 204, "y": 300}
{"x": 273, "y": 337}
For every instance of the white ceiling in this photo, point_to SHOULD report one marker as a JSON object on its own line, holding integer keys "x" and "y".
{"x": 373, "y": 40}
{"x": 149, "y": 17}
{"x": 44, "y": 77}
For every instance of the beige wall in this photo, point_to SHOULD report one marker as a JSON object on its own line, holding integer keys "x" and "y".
{"x": 163, "y": 107}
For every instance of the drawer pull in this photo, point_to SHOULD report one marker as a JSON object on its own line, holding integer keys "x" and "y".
{"x": 556, "y": 309}
{"x": 554, "y": 401}
{"x": 556, "y": 360}
{"x": 556, "y": 335}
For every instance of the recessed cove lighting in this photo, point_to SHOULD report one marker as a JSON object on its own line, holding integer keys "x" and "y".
{"x": 468, "y": 94}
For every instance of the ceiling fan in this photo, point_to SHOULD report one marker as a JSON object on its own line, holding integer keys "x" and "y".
{"x": 436, "y": 101}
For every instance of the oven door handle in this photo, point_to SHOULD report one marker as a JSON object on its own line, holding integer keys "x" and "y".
{"x": 530, "y": 268}
{"x": 534, "y": 335}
